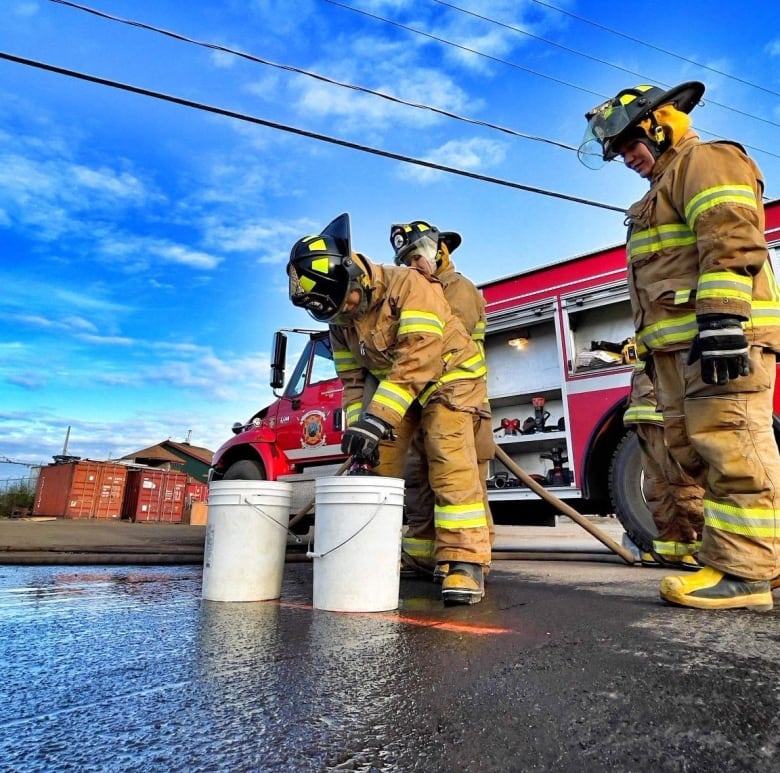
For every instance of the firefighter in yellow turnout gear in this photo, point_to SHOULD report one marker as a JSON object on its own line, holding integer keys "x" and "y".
{"x": 393, "y": 324}
{"x": 673, "y": 497}
{"x": 706, "y": 305}
{"x": 424, "y": 247}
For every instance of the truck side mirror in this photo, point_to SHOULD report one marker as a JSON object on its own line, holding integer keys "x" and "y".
{"x": 278, "y": 359}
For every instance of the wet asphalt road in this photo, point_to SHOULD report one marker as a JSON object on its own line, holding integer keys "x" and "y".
{"x": 566, "y": 666}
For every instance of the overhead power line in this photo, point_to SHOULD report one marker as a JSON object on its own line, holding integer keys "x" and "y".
{"x": 309, "y": 74}
{"x": 531, "y": 71}
{"x": 398, "y": 100}
{"x": 531, "y": 35}
{"x": 658, "y": 48}
{"x": 467, "y": 49}
{"x": 301, "y": 132}
{"x": 645, "y": 78}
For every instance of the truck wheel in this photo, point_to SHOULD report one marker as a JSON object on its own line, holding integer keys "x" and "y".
{"x": 625, "y": 487}
{"x": 246, "y": 469}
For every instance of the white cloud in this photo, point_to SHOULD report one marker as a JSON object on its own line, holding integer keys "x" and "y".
{"x": 27, "y": 180}
{"x": 30, "y": 380}
{"x": 105, "y": 340}
{"x": 259, "y": 239}
{"x": 224, "y": 60}
{"x": 136, "y": 254}
{"x": 773, "y": 48}
{"x": 473, "y": 155}
{"x": 211, "y": 376}
{"x": 398, "y": 76}
{"x": 114, "y": 184}
{"x": 24, "y": 8}
{"x": 80, "y": 324}
{"x": 84, "y": 300}
{"x": 176, "y": 253}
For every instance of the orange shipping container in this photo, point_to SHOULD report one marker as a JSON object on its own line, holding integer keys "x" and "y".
{"x": 155, "y": 495}
{"x": 83, "y": 489}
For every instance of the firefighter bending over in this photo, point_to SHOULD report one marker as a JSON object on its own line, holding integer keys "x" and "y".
{"x": 706, "y": 307}
{"x": 393, "y": 324}
{"x": 429, "y": 250}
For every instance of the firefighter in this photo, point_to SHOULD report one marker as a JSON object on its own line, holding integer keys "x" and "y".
{"x": 429, "y": 250}
{"x": 394, "y": 325}
{"x": 673, "y": 497}
{"x": 706, "y": 307}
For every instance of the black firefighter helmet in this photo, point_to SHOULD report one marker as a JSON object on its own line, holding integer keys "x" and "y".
{"x": 406, "y": 237}
{"x": 322, "y": 270}
{"x": 613, "y": 120}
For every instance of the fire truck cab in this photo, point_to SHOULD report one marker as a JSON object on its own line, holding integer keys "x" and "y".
{"x": 297, "y": 437}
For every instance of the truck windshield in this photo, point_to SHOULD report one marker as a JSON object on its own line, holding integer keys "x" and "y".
{"x": 322, "y": 367}
{"x": 312, "y": 369}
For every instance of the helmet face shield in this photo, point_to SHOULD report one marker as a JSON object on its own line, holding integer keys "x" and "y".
{"x": 609, "y": 122}
{"x": 605, "y": 123}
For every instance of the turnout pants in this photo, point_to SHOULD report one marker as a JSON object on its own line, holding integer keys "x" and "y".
{"x": 673, "y": 497}
{"x": 723, "y": 437}
{"x": 420, "y": 499}
{"x": 450, "y": 522}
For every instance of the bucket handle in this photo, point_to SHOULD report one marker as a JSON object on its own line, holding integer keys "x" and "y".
{"x": 271, "y": 518}
{"x": 310, "y": 554}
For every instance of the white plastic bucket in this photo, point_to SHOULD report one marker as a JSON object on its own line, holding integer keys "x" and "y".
{"x": 246, "y": 538}
{"x": 357, "y": 543}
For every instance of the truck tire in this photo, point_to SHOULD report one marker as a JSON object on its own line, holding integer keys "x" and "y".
{"x": 246, "y": 469}
{"x": 625, "y": 489}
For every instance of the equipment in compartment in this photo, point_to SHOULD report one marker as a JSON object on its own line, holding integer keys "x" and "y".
{"x": 540, "y": 415}
{"x": 510, "y": 426}
{"x": 606, "y": 353}
{"x": 559, "y": 475}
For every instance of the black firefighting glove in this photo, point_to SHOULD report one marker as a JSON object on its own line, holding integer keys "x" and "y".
{"x": 722, "y": 347}
{"x": 362, "y": 438}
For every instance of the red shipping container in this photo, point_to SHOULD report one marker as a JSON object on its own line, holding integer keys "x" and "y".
{"x": 155, "y": 495}
{"x": 83, "y": 489}
{"x": 197, "y": 491}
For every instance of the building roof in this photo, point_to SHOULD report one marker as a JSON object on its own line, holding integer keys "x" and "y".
{"x": 170, "y": 451}
{"x": 204, "y": 455}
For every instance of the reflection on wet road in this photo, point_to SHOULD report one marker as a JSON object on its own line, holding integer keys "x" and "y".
{"x": 126, "y": 669}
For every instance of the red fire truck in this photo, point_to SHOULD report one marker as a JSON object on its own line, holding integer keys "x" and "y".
{"x": 558, "y": 348}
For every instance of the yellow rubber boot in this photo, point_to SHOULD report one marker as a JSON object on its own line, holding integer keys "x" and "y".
{"x": 464, "y": 584}
{"x": 686, "y": 563}
{"x": 440, "y": 572}
{"x": 710, "y": 588}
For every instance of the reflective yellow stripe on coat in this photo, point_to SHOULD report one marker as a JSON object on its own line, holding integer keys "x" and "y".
{"x": 414, "y": 321}
{"x": 393, "y": 397}
{"x": 739, "y": 195}
{"x": 344, "y": 361}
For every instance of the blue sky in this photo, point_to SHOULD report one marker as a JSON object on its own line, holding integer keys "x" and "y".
{"x": 144, "y": 243}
